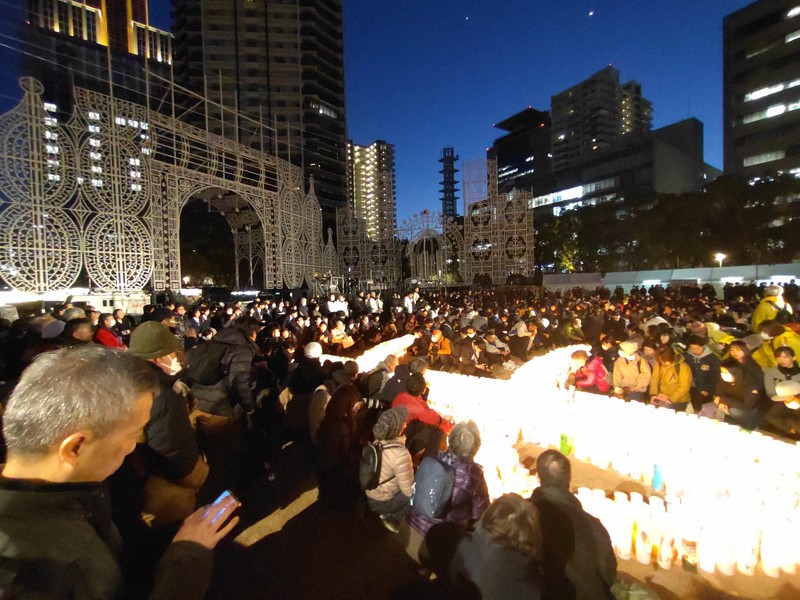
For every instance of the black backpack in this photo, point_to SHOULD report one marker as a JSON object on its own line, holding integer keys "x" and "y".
{"x": 784, "y": 315}
{"x": 205, "y": 363}
{"x": 369, "y": 471}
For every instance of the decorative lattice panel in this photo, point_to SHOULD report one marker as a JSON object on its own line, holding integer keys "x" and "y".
{"x": 105, "y": 189}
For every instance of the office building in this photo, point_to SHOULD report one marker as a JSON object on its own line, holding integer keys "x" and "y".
{"x": 274, "y": 62}
{"x": 95, "y": 44}
{"x": 524, "y": 152}
{"x": 371, "y": 188}
{"x": 593, "y": 114}
{"x": 761, "y": 94}
{"x": 668, "y": 160}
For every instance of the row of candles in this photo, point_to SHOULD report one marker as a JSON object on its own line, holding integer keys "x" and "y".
{"x": 728, "y": 499}
{"x": 732, "y": 495}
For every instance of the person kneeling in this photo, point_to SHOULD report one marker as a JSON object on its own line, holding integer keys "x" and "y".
{"x": 391, "y": 497}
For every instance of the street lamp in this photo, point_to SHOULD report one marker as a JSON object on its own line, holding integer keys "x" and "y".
{"x": 719, "y": 257}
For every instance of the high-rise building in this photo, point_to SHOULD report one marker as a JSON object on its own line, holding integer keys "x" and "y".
{"x": 94, "y": 44}
{"x": 279, "y": 62}
{"x": 761, "y": 44}
{"x": 448, "y": 183}
{"x": 524, "y": 152}
{"x": 592, "y": 114}
{"x": 371, "y": 188}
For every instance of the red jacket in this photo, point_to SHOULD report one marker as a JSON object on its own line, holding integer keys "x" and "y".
{"x": 593, "y": 374}
{"x": 418, "y": 410}
{"x": 108, "y": 338}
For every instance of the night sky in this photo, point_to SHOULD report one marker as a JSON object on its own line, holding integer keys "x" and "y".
{"x": 423, "y": 75}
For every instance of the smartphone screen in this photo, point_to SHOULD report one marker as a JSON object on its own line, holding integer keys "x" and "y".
{"x": 220, "y": 499}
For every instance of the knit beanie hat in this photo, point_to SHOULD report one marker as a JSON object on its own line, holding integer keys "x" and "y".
{"x": 151, "y": 339}
{"x": 627, "y": 347}
{"x": 390, "y": 423}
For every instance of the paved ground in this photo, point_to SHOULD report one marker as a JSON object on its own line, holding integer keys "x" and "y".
{"x": 290, "y": 547}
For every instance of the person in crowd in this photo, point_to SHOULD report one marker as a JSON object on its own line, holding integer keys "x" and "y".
{"x": 775, "y": 335}
{"x": 440, "y": 352}
{"x": 469, "y": 499}
{"x": 705, "y": 366}
{"x": 786, "y": 369}
{"x": 752, "y": 371}
{"x": 497, "y": 351}
{"x": 784, "y": 415}
{"x": 671, "y": 380}
{"x": 501, "y": 557}
{"x": 631, "y": 375}
{"x": 397, "y": 383}
{"x": 305, "y": 376}
{"x": 738, "y": 396}
{"x": 168, "y": 452}
{"x": 373, "y": 382}
{"x": 391, "y": 499}
{"x": 588, "y": 373}
{"x": 577, "y": 556}
{"x": 338, "y": 449}
{"x": 425, "y": 428}
{"x": 222, "y": 406}
{"x": 772, "y": 306}
{"x": 105, "y": 334}
{"x": 72, "y": 419}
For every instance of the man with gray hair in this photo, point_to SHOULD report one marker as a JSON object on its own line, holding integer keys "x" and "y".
{"x": 69, "y": 424}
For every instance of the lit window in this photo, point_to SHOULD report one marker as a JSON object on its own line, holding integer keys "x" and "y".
{"x": 764, "y": 92}
{"x": 94, "y": 129}
{"x": 53, "y": 177}
{"x": 51, "y": 149}
{"x": 50, "y": 121}
{"x": 94, "y": 116}
{"x": 96, "y": 169}
{"x": 97, "y": 182}
{"x": 94, "y": 143}
{"x": 50, "y": 107}
{"x": 94, "y": 155}
{"x": 145, "y": 150}
{"x": 766, "y": 157}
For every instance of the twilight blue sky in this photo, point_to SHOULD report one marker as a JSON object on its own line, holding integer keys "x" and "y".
{"x": 425, "y": 74}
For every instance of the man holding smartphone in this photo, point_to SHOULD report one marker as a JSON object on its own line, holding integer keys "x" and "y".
{"x": 70, "y": 422}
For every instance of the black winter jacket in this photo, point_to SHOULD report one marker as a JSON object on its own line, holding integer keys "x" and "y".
{"x": 57, "y": 540}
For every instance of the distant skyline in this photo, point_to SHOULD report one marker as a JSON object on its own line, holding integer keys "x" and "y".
{"x": 424, "y": 75}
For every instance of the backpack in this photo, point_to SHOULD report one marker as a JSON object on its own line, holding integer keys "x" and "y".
{"x": 783, "y": 316}
{"x": 205, "y": 363}
{"x": 433, "y": 487}
{"x": 369, "y": 471}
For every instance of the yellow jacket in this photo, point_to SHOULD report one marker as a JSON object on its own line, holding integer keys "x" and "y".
{"x": 766, "y": 310}
{"x": 672, "y": 380}
{"x": 765, "y": 355}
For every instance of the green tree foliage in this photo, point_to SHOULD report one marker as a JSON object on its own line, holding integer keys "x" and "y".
{"x": 757, "y": 223}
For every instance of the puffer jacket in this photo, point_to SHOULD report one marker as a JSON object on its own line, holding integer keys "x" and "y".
{"x": 237, "y": 385}
{"x": 672, "y": 380}
{"x": 397, "y": 471}
{"x": 633, "y": 375}
{"x": 594, "y": 373}
{"x": 470, "y": 497}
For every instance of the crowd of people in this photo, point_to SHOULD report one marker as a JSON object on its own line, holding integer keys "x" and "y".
{"x": 120, "y": 424}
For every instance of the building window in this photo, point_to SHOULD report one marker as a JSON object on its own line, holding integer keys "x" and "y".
{"x": 759, "y": 159}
